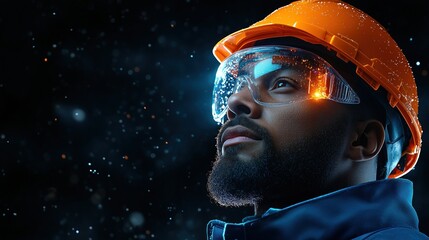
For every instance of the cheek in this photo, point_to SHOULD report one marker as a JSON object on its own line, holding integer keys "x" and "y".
{"x": 299, "y": 121}
{"x": 285, "y": 125}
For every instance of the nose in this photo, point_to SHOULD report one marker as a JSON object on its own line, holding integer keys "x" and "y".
{"x": 242, "y": 103}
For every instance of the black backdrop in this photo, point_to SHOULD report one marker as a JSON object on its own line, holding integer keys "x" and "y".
{"x": 106, "y": 129}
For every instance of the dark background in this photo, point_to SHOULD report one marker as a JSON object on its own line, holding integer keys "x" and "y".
{"x": 105, "y": 112}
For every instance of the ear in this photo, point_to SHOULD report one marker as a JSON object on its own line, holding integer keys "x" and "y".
{"x": 367, "y": 140}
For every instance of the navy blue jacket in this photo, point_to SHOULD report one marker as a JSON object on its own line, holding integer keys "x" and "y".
{"x": 374, "y": 210}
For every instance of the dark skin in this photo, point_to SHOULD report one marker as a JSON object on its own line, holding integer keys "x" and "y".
{"x": 352, "y": 160}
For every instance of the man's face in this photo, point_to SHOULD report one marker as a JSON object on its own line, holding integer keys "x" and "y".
{"x": 273, "y": 154}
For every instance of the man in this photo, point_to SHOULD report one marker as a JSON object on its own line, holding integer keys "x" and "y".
{"x": 319, "y": 111}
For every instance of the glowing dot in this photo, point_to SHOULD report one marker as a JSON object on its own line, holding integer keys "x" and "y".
{"x": 125, "y": 157}
{"x": 79, "y": 115}
{"x": 317, "y": 95}
{"x": 418, "y": 63}
{"x": 45, "y": 59}
{"x": 63, "y": 156}
{"x": 137, "y": 219}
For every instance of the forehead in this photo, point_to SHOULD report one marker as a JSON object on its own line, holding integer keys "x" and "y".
{"x": 259, "y": 62}
{"x": 278, "y": 54}
{"x": 257, "y": 67}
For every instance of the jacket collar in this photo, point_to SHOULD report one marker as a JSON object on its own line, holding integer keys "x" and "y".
{"x": 343, "y": 214}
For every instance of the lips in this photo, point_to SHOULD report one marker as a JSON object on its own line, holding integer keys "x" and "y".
{"x": 238, "y": 134}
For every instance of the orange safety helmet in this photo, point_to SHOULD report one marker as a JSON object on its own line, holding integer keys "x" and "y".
{"x": 355, "y": 37}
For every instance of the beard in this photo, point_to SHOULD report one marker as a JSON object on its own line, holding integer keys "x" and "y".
{"x": 297, "y": 172}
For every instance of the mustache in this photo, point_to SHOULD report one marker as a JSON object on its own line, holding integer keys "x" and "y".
{"x": 245, "y": 122}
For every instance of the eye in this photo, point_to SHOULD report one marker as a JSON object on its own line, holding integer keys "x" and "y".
{"x": 282, "y": 83}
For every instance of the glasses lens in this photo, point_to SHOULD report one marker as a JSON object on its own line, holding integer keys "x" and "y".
{"x": 278, "y": 75}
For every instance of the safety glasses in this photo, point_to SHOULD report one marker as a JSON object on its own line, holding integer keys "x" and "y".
{"x": 277, "y": 76}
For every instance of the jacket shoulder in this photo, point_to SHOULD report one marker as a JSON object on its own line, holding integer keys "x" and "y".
{"x": 397, "y": 233}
